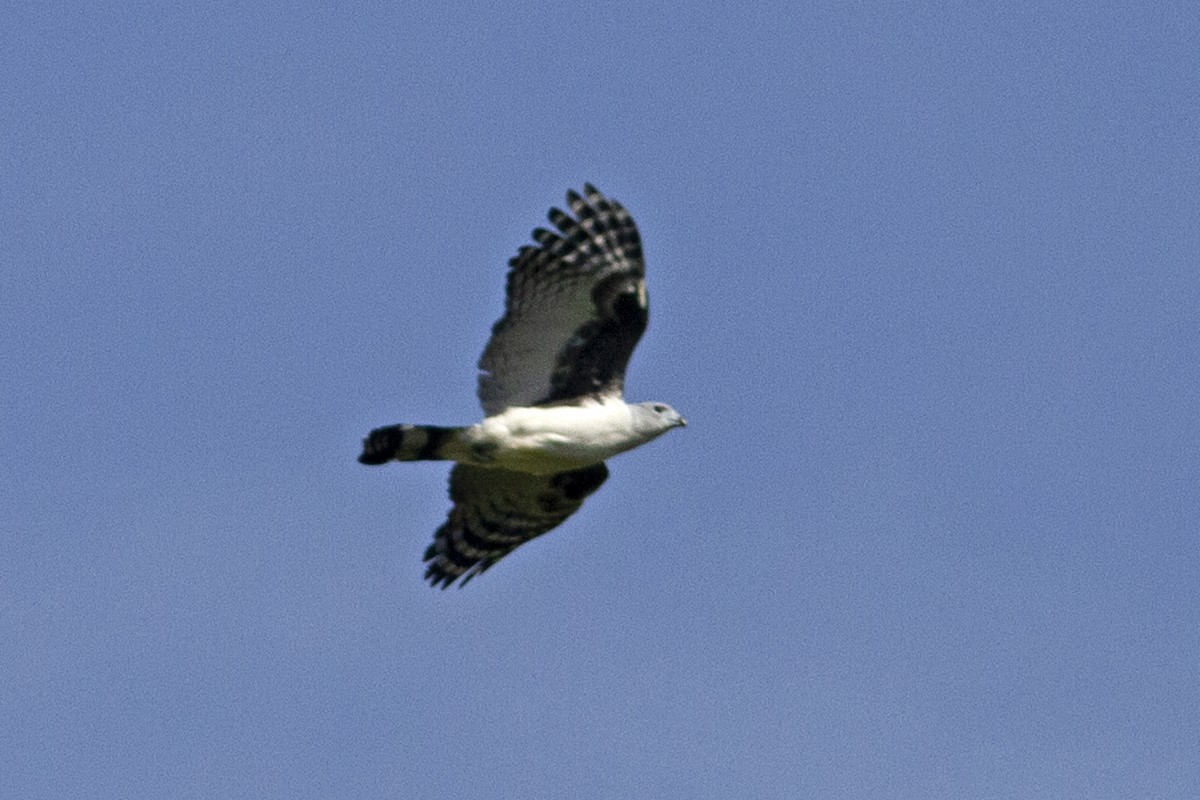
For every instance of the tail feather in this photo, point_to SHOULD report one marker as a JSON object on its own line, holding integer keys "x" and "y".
{"x": 409, "y": 443}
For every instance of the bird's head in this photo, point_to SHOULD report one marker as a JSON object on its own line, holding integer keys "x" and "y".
{"x": 655, "y": 419}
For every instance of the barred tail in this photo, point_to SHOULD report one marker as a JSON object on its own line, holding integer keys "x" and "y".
{"x": 410, "y": 443}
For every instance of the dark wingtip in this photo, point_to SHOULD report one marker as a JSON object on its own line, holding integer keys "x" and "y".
{"x": 438, "y": 579}
{"x": 562, "y": 220}
{"x": 438, "y": 576}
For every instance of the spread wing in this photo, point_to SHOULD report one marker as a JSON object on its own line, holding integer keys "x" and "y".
{"x": 496, "y": 510}
{"x": 576, "y": 307}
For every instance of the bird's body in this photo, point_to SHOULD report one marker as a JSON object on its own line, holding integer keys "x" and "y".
{"x": 551, "y": 384}
{"x": 550, "y": 439}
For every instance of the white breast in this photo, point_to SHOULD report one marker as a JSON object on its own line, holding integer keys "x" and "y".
{"x": 545, "y": 440}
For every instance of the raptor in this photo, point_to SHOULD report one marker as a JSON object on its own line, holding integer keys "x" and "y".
{"x": 551, "y": 383}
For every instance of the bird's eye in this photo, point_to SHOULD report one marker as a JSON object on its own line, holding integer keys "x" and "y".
{"x": 660, "y": 408}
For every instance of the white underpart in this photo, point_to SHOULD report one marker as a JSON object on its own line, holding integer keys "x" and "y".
{"x": 551, "y": 439}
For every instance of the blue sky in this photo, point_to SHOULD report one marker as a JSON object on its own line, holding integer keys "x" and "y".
{"x": 924, "y": 283}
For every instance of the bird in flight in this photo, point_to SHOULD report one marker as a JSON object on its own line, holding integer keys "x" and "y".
{"x": 551, "y": 383}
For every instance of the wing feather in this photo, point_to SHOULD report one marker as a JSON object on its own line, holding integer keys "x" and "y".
{"x": 496, "y": 510}
{"x": 576, "y": 306}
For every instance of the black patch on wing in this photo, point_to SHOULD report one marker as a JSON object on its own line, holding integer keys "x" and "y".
{"x": 575, "y": 308}
{"x": 496, "y": 511}
{"x": 595, "y": 358}
{"x": 578, "y": 484}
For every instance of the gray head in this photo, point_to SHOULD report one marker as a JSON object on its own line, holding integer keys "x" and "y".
{"x": 655, "y": 419}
